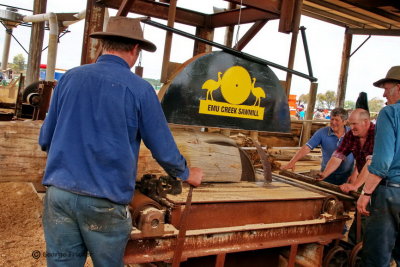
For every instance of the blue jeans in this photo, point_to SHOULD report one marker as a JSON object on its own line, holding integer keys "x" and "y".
{"x": 76, "y": 224}
{"x": 381, "y": 239}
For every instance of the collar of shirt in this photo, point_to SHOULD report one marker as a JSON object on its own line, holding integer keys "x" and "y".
{"x": 330, "y": 131}
{"x": 114, "y": 59}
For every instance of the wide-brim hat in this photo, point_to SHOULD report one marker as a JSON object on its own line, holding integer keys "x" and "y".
{"x": 393, "y": 75}
{"x": 126, "y": 28}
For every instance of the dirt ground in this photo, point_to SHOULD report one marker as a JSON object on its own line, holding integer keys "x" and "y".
{"x": 21, "y": 232}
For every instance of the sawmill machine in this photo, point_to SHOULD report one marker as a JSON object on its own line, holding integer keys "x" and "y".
{"x": 238, "y": 216}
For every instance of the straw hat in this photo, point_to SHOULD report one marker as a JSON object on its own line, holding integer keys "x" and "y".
{"x": 126, "y": 28}
{"x": 393, "y": 75}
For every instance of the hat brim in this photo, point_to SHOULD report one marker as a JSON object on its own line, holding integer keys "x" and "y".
{"x": 144, "y": 44}
{"x": 384, "y": 80}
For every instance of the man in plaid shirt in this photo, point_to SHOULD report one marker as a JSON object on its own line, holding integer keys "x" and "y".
{"x": 360, "y": 142}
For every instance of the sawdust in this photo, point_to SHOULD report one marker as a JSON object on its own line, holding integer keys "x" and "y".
{"x": 21, "y": 231}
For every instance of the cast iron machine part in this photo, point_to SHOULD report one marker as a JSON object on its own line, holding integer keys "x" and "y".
{"x": 149, "y": 207}
{"x": 38, "y": 95}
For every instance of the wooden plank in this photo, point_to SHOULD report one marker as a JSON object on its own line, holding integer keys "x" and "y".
{"x": 348, "y": 12}
{"x": 21, "y": 159}
{"x": 244, "y": 191}
{"x": 347, "y": 21}
{"x": 322, "y": 18}
{"x": 381, "y": 32}
{"x": 380, "y": 13}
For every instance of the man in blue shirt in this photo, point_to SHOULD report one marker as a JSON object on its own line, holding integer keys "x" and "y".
{"x": 329, "y": 138}
{"x": 98, "y": 116}
{"x": 381, "y": 192}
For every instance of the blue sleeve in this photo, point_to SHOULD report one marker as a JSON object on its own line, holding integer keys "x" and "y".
{"x": 384, "y": 148}
{"x": 316, "y": 139}
{"x": 157, "y": 136}
{"x": 49, "y": 124}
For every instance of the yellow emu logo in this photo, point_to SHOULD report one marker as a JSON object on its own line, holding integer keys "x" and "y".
{"x": 236, "y": 86}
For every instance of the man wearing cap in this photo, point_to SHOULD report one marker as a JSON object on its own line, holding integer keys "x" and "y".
{"x": 382, "y": 187}
{"x": 99, "y": 114}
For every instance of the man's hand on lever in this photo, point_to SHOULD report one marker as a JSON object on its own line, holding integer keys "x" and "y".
{"x": 346, "y": 188}
{"x": 195, "y": 176}
{"x": 290, "y": 165}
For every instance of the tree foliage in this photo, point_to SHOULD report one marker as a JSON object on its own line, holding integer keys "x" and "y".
{"x": 326, "y": 100}
{"x": 349, "y": 104}
{"x": 18, "y": 64}
{"x": 375, "y": 104}
{"x": 303, "y": 99}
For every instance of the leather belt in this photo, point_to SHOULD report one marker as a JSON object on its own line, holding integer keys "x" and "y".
{"x": 389, "y": 184}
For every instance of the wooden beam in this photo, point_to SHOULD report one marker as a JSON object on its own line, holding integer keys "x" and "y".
{"x": 374, "y": 10}
{"x": 344, "y": 70}
{"x": 200, "y": 47}
{"x": 257, "y": 26}
{"x": 293, "y": 44}
{"x": 247, "y": 15}
{"x": 287, "y": 14}
{"x": 271, "y": 6}
{"x": 228, "y": 38}
{"x": 322, "y": 18}
{"x": 36, "y": 43}
{"x": 389, "y": 32}
{"x": 125, "y": 7}
{"x": 168, "y": 41}
{"x": 93, "y": 23}
{"x": 326, "y": 14}
{"x": 160, "y": 11}
{"x": 348, "y": 12}
{"x": 307, "y": 126}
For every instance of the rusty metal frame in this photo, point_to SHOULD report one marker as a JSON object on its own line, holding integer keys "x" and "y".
{"x": 161, "y": 249}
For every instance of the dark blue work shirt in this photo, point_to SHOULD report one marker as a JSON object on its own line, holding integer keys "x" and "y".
{"x": 329, "y": 143}
{"x": 386, "y": 157}
{"x": 98, "y": 115}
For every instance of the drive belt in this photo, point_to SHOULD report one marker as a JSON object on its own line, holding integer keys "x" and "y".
{"x": 182, "y": 230}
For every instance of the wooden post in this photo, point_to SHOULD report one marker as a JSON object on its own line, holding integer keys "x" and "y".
{"x": 306, "y": 131}
{"x": 344, "y": 70}
{"x": 230, "y": 29}
{"x": 36, "y": 43}
{"x": 93, "y": 23}
{"x": 200, "y": 47}
{"x": 168, "y": 41}
{"x": 292, "y": 53}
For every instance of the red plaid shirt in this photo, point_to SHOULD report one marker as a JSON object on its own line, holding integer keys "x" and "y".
{"x": 351, "y": 144}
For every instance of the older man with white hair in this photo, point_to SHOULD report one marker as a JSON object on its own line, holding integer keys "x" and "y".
{"x": 380, "y": 200}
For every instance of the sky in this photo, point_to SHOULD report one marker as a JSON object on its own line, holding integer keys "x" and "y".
{"x": 325, "y": 41}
